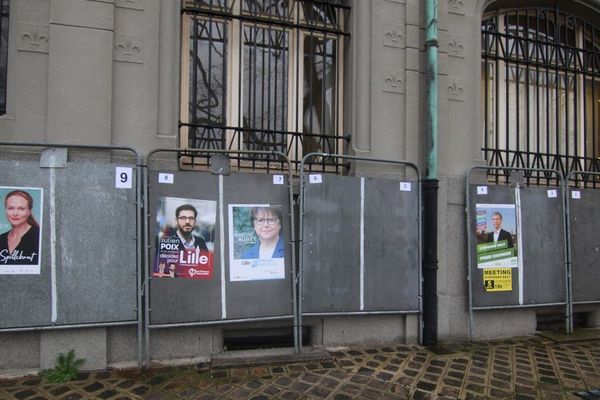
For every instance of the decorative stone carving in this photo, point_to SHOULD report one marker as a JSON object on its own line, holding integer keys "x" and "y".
{"x": 394, "y": 35}
{"x": 456, "y": 47}
{"x": 128, "y": 49}
{"x": 32, "y": 37}
{"x": 393, "y": 81}
{"x": 132, "y": 4}
{"x": 456, "y": 7}
{"x": 456, "y": 89}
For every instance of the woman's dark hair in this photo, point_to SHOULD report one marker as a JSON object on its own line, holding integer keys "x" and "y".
{"x": 21, "y": 193}
{"x": 276, "y": 211}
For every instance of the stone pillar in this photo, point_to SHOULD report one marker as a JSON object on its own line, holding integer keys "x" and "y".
{"x": 80, "y": 72}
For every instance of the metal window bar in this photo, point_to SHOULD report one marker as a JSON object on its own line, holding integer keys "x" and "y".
{"x": 4, "y": 17}
{"x": 275, "y": 37}
{"x": 540, "y": 69}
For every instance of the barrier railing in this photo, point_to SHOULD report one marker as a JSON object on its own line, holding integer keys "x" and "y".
{"x": 235, "y": 274}
{"x": 360, "y": 251}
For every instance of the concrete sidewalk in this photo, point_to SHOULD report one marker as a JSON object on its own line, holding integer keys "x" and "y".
{"x": 538, "y": 367}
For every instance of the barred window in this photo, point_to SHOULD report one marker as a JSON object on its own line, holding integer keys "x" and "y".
{"x": 4, "y": 13}
{"x": 541, "y": 90}
{"x": 263, "y": 75}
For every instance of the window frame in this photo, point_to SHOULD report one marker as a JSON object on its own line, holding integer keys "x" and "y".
{"x": 297, "y": 27}
{"x": 559, "y": 136}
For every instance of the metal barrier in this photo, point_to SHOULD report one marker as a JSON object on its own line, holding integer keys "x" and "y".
{"x": 518, "y": 228}
{"x": 360, "y": 243}
{"x": 223, "y": 274}
{"x": 583, "y": 216}
{"x": 79, "y": 263}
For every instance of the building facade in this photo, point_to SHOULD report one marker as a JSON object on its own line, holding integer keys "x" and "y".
{"x": 517, "y": 87}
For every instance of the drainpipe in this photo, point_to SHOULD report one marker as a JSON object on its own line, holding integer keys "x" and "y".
{"x": 430, "y": 183}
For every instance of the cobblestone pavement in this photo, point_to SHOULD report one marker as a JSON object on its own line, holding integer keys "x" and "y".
{"x": 524, "y": 368}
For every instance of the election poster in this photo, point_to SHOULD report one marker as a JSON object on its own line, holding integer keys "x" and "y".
{"x": 256, "y": 242}
{"x": 185, "y": 238}
{"x": 21, "y": 230}
{"x": 497, "y": 236}
{"x": 497, "y": 279}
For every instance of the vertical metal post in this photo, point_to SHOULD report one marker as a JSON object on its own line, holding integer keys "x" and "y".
{"x": 294, "y": 269}
{"x": 568, "y": 260}
{"x": 139, "y": 217}
{"x": 301, "y": 254}
{"x": 430, "y": 262}
{"x": 145, "y": 274}
{"x": 430, "y": 184}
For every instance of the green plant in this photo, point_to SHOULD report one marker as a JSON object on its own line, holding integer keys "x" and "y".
{"x": 66, "y": 369}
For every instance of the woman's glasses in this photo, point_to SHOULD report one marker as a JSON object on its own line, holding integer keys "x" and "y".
{"x": 265, "y": 221}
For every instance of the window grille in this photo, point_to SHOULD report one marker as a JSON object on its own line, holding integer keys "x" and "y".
{"x": 541, "y": 90}
{"x": 264, "y": 75}
{"x": 4, "y": 13}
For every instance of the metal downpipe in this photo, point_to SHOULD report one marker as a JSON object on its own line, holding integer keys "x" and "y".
{"x": 430, "y": 184}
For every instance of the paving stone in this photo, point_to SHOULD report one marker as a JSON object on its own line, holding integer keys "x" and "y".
{"x": 385, "y": 376}
{"x": 300, "y": 387}
{"x": 283, "y": 381}
{"x": 239, "y": 393}
{"x": 362, "y": 380}
{"x": 259, "y": 397}
{"x": 73, "y": 396}
{"x": 311, "y": 378}
{"x": 329, "y": 383}
{"x": 524, "y": 397}
{"x": 450, "y": 392}
{"x": 351, "y": 389}
{"x": 500, "y": 393}
{"x": 271, "y": 390}
{"x": 421, "y": 395}
{"x": 341, "y": 396}
{"x": 319, "y": 392}
{"x": 24, "y": 394}
{"x": 57, "y": 391}
{"x": 155, "y": 396}
{"x": 140, "y": 390}
{"x": 287, "y": 395}
{"x": 189, "y": 394}
{"x": 94, "y": 387}
{"x": 107, "y": 394}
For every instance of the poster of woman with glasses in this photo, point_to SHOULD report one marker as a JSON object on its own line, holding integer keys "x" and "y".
{"x": 185, "y": 238}
{"x": 256, "y": 242}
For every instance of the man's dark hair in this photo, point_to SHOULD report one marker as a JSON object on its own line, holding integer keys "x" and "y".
{"x": 186, "y": 207}
{"x": 497, "y": 213}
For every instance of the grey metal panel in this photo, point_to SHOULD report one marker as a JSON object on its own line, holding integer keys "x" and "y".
{"x": 331, "y": 248}
{"x": 481, "y": 298}
{"x": 260, "y": 298}
{"x": 26, "y": 299}
{"x": 585, "y": 245}
{"x": 391, "y": 246}
{"x": 542, "y": 254}
{"x": 184, "y": 300}
{"x": 96, "y": 246}
{"x": 543, "y": 246}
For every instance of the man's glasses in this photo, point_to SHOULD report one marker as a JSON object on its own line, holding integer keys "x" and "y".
{"x": 191, "y": 219}
{"x": 265, "y": 221}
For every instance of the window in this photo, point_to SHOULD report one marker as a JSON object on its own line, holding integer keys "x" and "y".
{"x": 263, "y": 75}
{"x": 4, "y": 13}
{"x": 541, "y": 90}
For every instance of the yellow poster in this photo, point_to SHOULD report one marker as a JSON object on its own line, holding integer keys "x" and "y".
{"x": 497, "y": 279}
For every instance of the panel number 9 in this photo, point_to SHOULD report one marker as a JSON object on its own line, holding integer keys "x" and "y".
{"x": 123, "y": 177}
